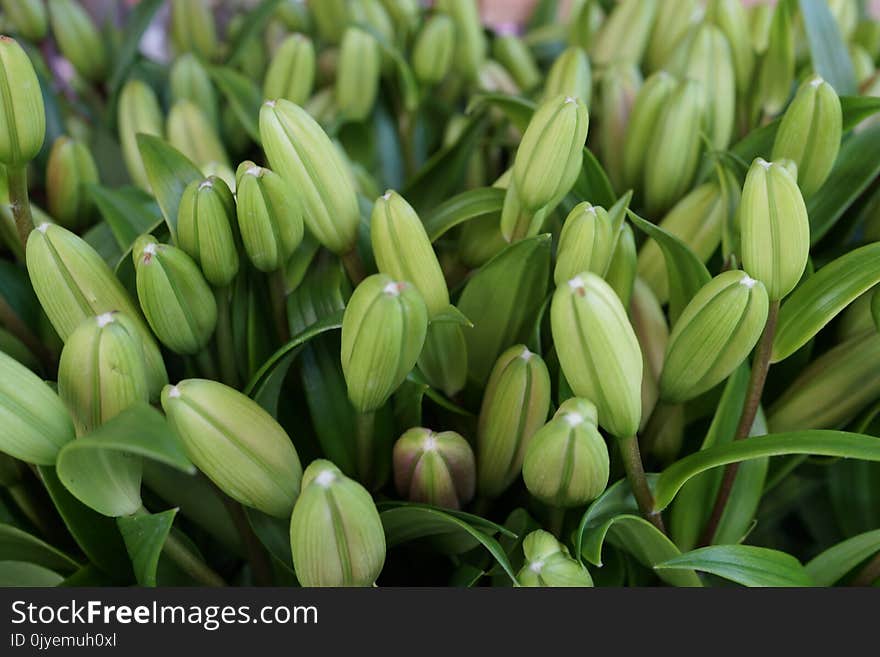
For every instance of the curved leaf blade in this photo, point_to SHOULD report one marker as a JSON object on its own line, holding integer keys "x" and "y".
{"x": 169, "y": 172}
{"x": 144, "y": 536}
{"x": 463, "y": 207}
{"x": 244, "y": 97}
{"x": 829, "y": 566}
{"x": 744, "y": 564}
{"x": 18, "y": 545}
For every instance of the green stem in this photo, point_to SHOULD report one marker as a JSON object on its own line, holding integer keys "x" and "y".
{"x": 225, "y": 343}
{"x": 354, "y": 266}
{"x": 638, "y": 482}
{"x": 18, "y": 201}
{"x": 869, "y": 574}
{"x": 364, "y": 446}
{"x": 760, "y": 368}
{"x": 206, "y": 363}
{"x": 278, "y": 296}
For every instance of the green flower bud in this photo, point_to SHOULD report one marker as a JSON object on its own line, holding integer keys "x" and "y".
{"x": 404, "y": 252}
{"x": 671, "y": 25}
{"x": 383, "y": 331}
{"x": 191, "y": 132}
{"x": 331, "y": 18}
{"x": 70, "y": 167}
{"x": 598, "y": 351}
{"x": 548, "y": 563}
{"x": 357, "y": 77}
{"x": 776, "y": 73}
{"x": 649, "y": 324}
{"x": 470, "y": 42}
{"x": 269, "y": 218}
{"x": 404, "y": 14}
{"x": 586, "y": 243}
{"x": 174, "y": 296}
{"x": 515, "y": 405}
{"x": 236, "y": 444}
{"x": 618, "y": 90}
{"x": 78, "y": 38}
{"x": 22, "y": 118}
{"x": 73, "y": 283}
{"x": 34, "y": 423}
{"x": 189, "y": 80}
{"x": 139, "y": 112}
{"x": 434, "y": 468}
{"x": 28, "y": 17}
{"x": 205, "y": 230}
{"x": 649, "y": 104}
{"x": 551, "y": 152}
{"x": 291, "y": 73}
{"x": 716, "y": 332}
{"x": 336, "y": 535}
{"x": 513, "y": 54}
{"x": 102, "y": 370}
{"x": 731, "y": 18}
{"x": 566, "y": 463}
{"x": 372, "y": 14}
{"x": 674, "y": 148}
{"x": 570, "y": 75}
{"x": 303, "y": 155}
{"x": 775, "y": 227}
{"x": 621, "y": 273}
{"x": 625, "y": 33}
{"x": 193, "y": 29}
{"x": 494, "y": 78}
{"x": 434, "y": 49}
{"x": 443, "y": 360}
{"x": 809, "y": 134}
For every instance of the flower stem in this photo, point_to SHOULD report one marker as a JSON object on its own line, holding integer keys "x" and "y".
{"x": 365, "y": 427}
{"x": 760, "y": 367}
{"x": 638, "y": 482}
{"x": 18, "y": 201}
{"x": 225, "y": 344}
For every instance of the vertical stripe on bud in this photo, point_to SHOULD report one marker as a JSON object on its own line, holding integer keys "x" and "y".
{"x": 22, "y": 117}
{"x": 357, "y": 74}
{"x": 291, "y": 73}
{"x": 205, "y": 229}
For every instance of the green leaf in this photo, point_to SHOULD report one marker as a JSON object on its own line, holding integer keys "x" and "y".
{"x": 856, "y": 167}
{"x": 823, "y": 296}
{"x": 129, "y": 211}
{"x": 96, "y": 467}
{"x": 251, "y": 28}
{"x": 744, "y": 564}
{"x": 411, "y": 522}
{"x": 451, "y": 315}
{"x": 18, "y": 545}
{"x": 815, "y": 442}
{"x": 615, "y": 501}
{"x": 592, "y": 182}
{"x": 686, "y": 273}
{"x": 463, "y": 207}
{"x": 501, "y": 299}
{"x": 21, "y": 573}
{"x": 243, "y": 95}
{"x": 274, "y": 534}
{"x": 858, "y": 108}
{"x": 828, "y": 567}
{"x": 130, "y": 41}
{"x": 517, "y": 109}
{"x": 144, "y": 536}
{"x": 829, "y": 52}
{"x": 169, "y": 172}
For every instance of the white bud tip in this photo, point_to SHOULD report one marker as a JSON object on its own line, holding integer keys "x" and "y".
{"x": 748, "y": 281}
{"x": 536, "y": 566}
{"x": 816, "y": 81}
{"x": 206, "y": 184}
{"x": 325, "y": 478}
{"x": 269, "y": 103}
{"x": 253, "y": 171}
{"x": 150, "y": 249}
{"x": 574, "y": 419}
{"x": 174, "y": 393}
{"x": 106, "y": 318}
{"x": 576, "y": 283}
{"x": 387, "y": 195}
{"x": 430, "y": 444}
{"x": 43, "y": 227}
{"x": 526, "y": 354}
{"x": 570, "y": 99}
{"x": 764, "y": 163}
{"x": 394, "y": 288}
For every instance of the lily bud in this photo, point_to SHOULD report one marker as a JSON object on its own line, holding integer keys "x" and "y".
{"x": 269, "y": 218}
{"x": 621, "y": 273}
{"x": 70, "y": 167}
{"x": 470, "y": 42}
{"x": 809, "y": 134}
{"x": 649, "y": 324}
{"x": 22, "y": 118}
{"x": 434, "y": 49}
{"x": 193, "y": 29}
{"x": 515, "y": 405}
{"x": 78, "y": 38}
{"x": 570, "y": 75}
{"x": 336, "y": 535}
{"x": 372, "y": 13}
{"x": 34, "y": 423}
{"x": 674, "y": 148}
{"x": 139, "y": 112}
{"x": 716, "y": 332}
{"x": 493, "y": 78}
{"x": 190, "y": 132}
{"x": 586, "y": 243}
{"x": 404, "y": 252}
{"x": 28, "y": 17}
{"x": 434, "y": 468}
{"x": 73, "y": 283}
{"x": 598, "y": 351}
{"x": 513, "y": 54}
{"x": 291, "y": 73}
{"x": 618, "y": 90}
{"x": 776, "y": 73}
{"x": 760, "y": 17}
{"x": 566, "y": 464}
{"x": 303, "y": 155}
{"x": 205, "y": 231}
{"x": 649, "y": 103}
{"x": 331, "y": 17}
{"x": 586, "y": 19}
{"x": 386, "y": 320}
{"x": 775, "y": 227}
{"x": 102, "y": 370}
{"x": 357, "y": 77}
{"x": 624, "y": 35}
{"x": 551, "y": 152}
{"x": 174, "y": 296}
{"x": 731, "y": 18}
{"x": 189, "y": 80}
{"x": 548, "y": 563}
{"x": 236, "y": 444}
{"x": 672, "y": 23}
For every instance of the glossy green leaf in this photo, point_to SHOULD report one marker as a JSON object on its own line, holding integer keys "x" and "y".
{"x": 130, "y": 41}
{"x": 829, "y": 566}
{"x": 744, "y": 564}
{"x": 274, "y": 534}
{"x": 501, "y": 299}
{"x": 406, "y": 79}
{"x": 18, "y": 545}
{"x": 22, "y": 573}
{"x": 144, "y": 536}
{"x": 823, "y": 296}
{"x": 827, "y": 47}
{"x": 593, "y": 183}
{"x": 686, "y": 272}
{"x": 451, "y": 315}
{"x": 243, "y": 96}
{"x": 463, "y": 207}
{"x": 517, "y": 109}
{"x": 255, "y": 20}
{"x": 815, "y": 442}
{"x": 169, "y": 172}
{"x": 129, "y": 211}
